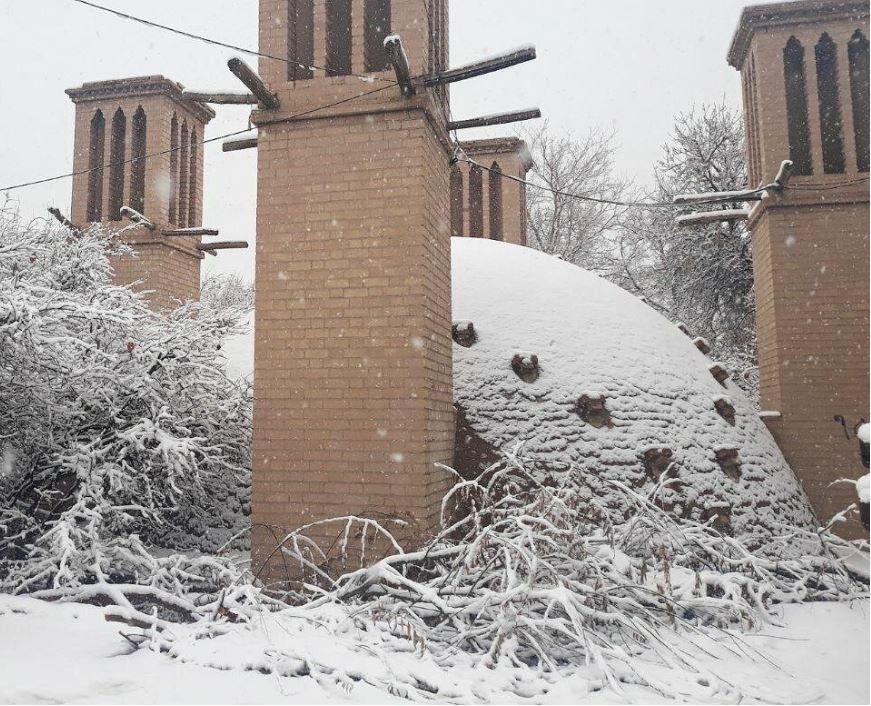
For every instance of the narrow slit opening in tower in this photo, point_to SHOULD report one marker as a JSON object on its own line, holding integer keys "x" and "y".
{"x": 193, "y": 190}
{"x": 339, "y": 38}
{"x": 496, "y": 217}
{"x": 300, "y": 40}
{"x": 183, "y": 177}
{"x": 857, "y": 53}
{"x": 456, "y": 181}
{"x": 376, "y": 16}
{"x": 830, "y": 105}
{"x": 117, "y": 148}
{"x": 96, "y": 152}
{"x": 476, "y": 202}
{"x": 137, "y": 166}
{"x": 796, "y": 107}
{"x": 173, "y": 170}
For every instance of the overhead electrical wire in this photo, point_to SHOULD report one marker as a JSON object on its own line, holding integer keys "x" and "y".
{"x": 218, "y": 43}
{"x": 201, "y": 142}
{"x": 658, "y": 204}
{"x": 391, "y": 83}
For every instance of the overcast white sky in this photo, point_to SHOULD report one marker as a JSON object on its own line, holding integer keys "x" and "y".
{"x": 627, "y": 64}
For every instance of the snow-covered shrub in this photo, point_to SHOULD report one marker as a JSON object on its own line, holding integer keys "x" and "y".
{"x": 226, "y": 291}
{"x": 119, "y": 429}
{"x": 530, "y": 581}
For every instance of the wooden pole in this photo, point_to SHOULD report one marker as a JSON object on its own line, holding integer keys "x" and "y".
{"x": 246, "y": 143}
{"x": 221, "y": 98}
{"x": 783, "y": 175}
{"x": 697, "y": 219}
{"x": 479, "y": 68}
{"x": 495, "y": 119}
{"x": 63, "y": 219}
{"x": 180, "y": 232}
{"x": 399, "y": 61}
{"x": 137, "y": 217}
{"x": 254, "y": 83}
{"x": 223, "y": 245}
{"x": 744, "y": 195}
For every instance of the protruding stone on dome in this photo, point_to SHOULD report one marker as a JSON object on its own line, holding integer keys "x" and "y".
{"x": 657, "y": 461}
{"x": 593, "y": 411}
{"x": 463, "y": 333}
{"x": 729, "y": 462}
{"x": 719, "y": 372}
{"x": 721, "y": 515}
{"x": 526, "y": 367}
{"x": 684, "y": 328}
{"x": 725, "y": 409}
{"x": 702, "y": 344}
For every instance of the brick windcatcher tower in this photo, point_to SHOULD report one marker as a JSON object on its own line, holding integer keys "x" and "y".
{"x": 116, "y": 122}
{"x": 804, "y": 70}
{"x": 353, "y": 351}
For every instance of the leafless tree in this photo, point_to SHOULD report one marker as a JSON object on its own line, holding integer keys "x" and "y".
{"x": 576, "y": 230}
{"x": 702, "y": 275}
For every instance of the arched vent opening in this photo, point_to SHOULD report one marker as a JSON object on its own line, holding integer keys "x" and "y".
{"x": 137, "y": 166}
{"x": 830, "y": 105}
{"x": 476, "y": 202}
{"x": 376, "y": 14}
{"x": 183, "y": 160}
{"x": 173, "y": 170}
{"x": 456, "y": 200}
{"x": 857, "y": 52}
{"x": 300, "y": 39}
{"x": 339, "y": 38}
{"x": 796, "y": 108}
{"x": 117, "y": 149}
{"x": 496, "y": 218}
{"x": 96, "y": 150}
{"x": 193, "y": 191}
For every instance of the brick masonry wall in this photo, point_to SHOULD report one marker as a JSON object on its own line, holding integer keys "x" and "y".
{"x": 513, "y": 203}
{"x": 352, "y": 351}
{"x": 811, "y": 267}
{"x": 170, "y": 269}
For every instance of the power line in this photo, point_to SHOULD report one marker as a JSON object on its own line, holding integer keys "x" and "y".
{"x": 217, "y": 43}
{"x": 202, "y": 142}
{"x": 607, "y": 202}
{"x": 652, "y": 204}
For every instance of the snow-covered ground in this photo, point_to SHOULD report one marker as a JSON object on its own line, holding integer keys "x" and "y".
{"x": 52, "y": 653}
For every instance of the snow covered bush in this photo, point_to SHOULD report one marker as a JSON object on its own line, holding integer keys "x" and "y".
{"x": 530, "y": 581}
{"x": 226, "y": 291}
{"x": 119, "y": 430}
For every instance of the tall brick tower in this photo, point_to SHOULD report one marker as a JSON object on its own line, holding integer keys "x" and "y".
{"x": 353, "y": 350}
{"x": 116, "y": 122}
{"x": 804, "y": 69}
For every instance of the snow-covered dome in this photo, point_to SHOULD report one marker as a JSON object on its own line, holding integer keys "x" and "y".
{"x": 585, "y": 374}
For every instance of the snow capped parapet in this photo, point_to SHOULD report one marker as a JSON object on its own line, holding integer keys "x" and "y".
{"x": 622, "y": 394}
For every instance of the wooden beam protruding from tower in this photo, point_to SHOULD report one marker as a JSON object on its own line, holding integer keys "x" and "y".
{"x": 495, "y": 119}
{"x": 223, "y": 245}
{"x": 399, "y": 61}
{"x": 254, "y": 83}
{"x": 136, "y": 217}
{"x": 220, "y": 98}
{"x": 698, "y": 219}
{"x": 246, "y": 143}
{"x": 195, "y": 232}
{"x": 63, "y": 219}
{"x": 479, "y": 68}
